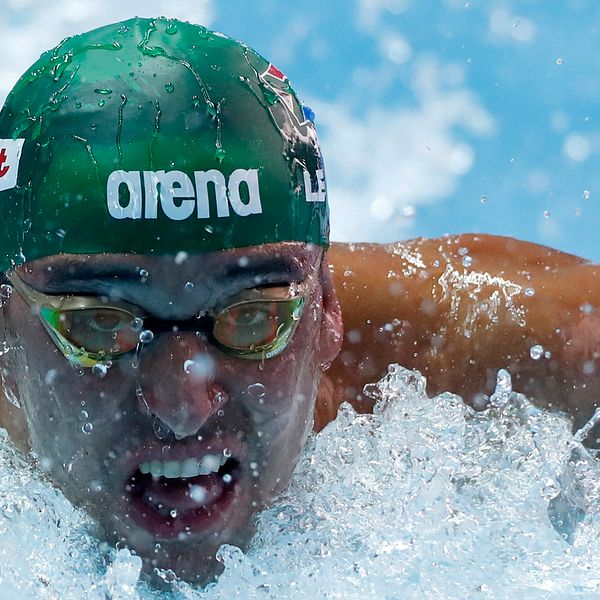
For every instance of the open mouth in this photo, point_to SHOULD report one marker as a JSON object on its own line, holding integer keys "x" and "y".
{"x": 173, "y": 498}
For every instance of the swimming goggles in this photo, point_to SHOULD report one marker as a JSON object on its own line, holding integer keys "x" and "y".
{"x": 91, "y": 330}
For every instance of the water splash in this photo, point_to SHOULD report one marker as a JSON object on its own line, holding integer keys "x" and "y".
{"x": 424, "y": 495}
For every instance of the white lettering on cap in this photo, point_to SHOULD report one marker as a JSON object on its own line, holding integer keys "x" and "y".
{"x": 176, "y": 195}
{"x": 10, "y": 157}
{"x": 318, "y": 195}
{"x": 132, "y": 181}
{"x": 250, "y": 178}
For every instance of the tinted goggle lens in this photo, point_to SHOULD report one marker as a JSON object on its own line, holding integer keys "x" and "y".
{"x": 100, "y": 330}
{"x": 259, "y": 328}
{"x": 254, "y": 329}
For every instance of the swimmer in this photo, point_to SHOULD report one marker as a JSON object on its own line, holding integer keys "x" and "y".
{"x": 171, "y": 300}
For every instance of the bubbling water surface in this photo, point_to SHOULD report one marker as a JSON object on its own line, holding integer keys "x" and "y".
{"x": 426, "y": 498}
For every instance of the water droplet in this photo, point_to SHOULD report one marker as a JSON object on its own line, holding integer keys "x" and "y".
{"x": 8, "y": 391}
{"x": 171, "y": 29}
{"x": 202, "y": 365}
{"x": 87, "y": 428}
{"x": 529, "y": 292}
{"x": 483, "y": 199}
{"x": 189, "y": 286}
{"x": 221, "y": 413}
{"x": 501, "y": 396}
{"x": 198, "y": 493}
{"x": 103, "y": 91}
{"x": 503, "y": 381}
{"x": 546, "y": 214}
{"x": 219, "y": 398}
{"x": 5, "y": 291}
{"x": 95, "y": 486}
{"x": 220, "y": 154}
{"x": 536, "y": 352}
{"x": 256, "y": 391}
{"x": 589, "y": 367}
{"x": 161, "y": 431}
{"x": 209, "y": 229}
{"x": 173, "y": 513}
{"x": 467, "y": 261}
{"x": 101, "y": 103}
{"x": 142, "y": 400}
{"x": 78, "y": 104}
{"x": 181, "y": 257}
{"x": 586, "y": 194}
{"x": 586, "y": 308}
{"x": 50, "y": 376}
{"x": 243, "y": 261}
{"x": 143, "y": 273}
{"x": 254, "y": 465}
{"x": 137, "y": 324}
{"x": 227, "y": 453}
{"x": 146, "y": 336}
{"x": 100, "y": 370}
{"x": 560, "y": 61}
{"x": 227, "y": 478}
{"x": 169, "y": 87}
{"x": 83, "y": 415}
{"x": 550, "y": 489}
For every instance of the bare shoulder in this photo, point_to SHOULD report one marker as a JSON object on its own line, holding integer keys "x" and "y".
{"x": 460, "y": 307}
{"x": 499, "y": 251}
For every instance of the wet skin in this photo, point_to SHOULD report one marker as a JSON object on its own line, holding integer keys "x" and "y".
{"x": 459, "y": 308}
{"x": 159, "y": 411}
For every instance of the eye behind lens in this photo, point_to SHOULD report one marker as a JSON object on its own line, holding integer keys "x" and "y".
{"x": 257, "y": 326}
{"x": 105, "y": 330}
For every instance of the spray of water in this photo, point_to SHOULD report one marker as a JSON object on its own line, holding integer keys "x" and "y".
{"x": 426, "y": 498}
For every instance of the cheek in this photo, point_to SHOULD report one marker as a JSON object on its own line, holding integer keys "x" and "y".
{"x": 282, "y": 385}
{"x": 283, "y": 406}
{"x": 282, "y": 390}
{"x": 69, "y": 415}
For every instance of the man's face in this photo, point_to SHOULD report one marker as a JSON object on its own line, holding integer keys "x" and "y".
{"x": 219, "y": 434}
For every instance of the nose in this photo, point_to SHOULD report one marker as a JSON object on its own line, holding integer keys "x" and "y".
{"x": 177, "y": 381}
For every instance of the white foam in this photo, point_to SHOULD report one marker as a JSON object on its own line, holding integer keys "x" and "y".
{"x": 424, "y": 499}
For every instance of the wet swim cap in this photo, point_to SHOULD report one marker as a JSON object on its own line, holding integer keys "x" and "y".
{"x": 155, "y": 137}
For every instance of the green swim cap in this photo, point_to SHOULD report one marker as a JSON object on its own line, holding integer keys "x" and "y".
{"x": 155, "y": 136}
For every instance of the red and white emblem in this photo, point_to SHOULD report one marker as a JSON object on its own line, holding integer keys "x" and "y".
{"x": 275, "y": 72}
{"x": 10, "y": 156}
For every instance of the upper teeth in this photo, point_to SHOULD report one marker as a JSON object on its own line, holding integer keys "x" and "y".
{"x": 191, "y": 467}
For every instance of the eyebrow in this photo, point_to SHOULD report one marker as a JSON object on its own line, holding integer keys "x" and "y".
{"x": 68, "y": 277}
{"x": 266, "y": 267}
{"x": 61, "y": 275}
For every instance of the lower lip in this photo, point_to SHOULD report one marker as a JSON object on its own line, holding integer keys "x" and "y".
{"x": 188, "y": 521}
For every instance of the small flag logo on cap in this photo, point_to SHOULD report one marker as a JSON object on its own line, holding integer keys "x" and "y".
{"x": 10, "y": 156}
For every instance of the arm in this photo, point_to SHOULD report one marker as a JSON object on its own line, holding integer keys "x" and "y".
{"x": 458, "y": 309}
